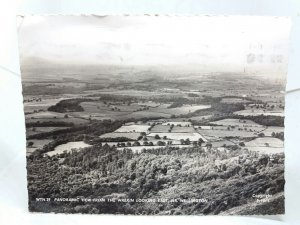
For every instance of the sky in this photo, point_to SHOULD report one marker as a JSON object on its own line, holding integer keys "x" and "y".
{"x": 257, "y": 45}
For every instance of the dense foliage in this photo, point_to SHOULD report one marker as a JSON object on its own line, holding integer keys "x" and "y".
{"x": 225, "y": 179}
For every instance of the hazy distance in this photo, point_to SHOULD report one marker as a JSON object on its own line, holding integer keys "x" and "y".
{"x": 195, "y": 44}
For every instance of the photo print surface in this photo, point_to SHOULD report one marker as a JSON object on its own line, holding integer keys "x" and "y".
{"x": 154, "y": 115}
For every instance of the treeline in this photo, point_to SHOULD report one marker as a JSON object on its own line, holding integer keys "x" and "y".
{"x": 49, "y": 124}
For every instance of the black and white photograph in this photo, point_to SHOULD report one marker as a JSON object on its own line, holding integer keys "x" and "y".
{"x": 154, "y": 114}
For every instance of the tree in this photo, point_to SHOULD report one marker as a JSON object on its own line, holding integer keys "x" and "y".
{"x": 181, "y": 141}
{"x": 209, "y": 146}
{"x": 161, "y": 143}
{"x": 242, "y": 144}
{"x": 136, "y": 143}
{"x": 66, "y": 116}
{"x": 261, "y": 135}
{"x": 30, "y": 144}
{"x": 145, "y": 139}
{"x": 157, "y": 136}
{"x": 187, "y": 141}
{"x": 140, "y": 137}
{"x": 200, "y": 141}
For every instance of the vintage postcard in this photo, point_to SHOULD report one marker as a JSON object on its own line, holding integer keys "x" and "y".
{"x": 154, "y": 115}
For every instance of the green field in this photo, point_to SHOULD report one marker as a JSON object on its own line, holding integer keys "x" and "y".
{"x": 76, "y": 121}
{"x": 271, "y": 129}
{"x": 68, "y": 147}
{"x": 179, "y": 110}
{"x": 215, "y": 134}
{"x": 38, "y": 130}
{"x": 257, "y": 112}
{"x": 132, "y": 136}
{"x": 179, "y": 136}
{"x": 236, "y": 122}
{"x": 266, "y": 145}
{"x": 133, "y": 128}
{"x": 160, "y": 128}
{"x": 177, "y": 129}
{"x": 234, "y": 100}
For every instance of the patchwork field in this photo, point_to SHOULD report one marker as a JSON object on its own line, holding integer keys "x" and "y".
{"x": 177, "y": 129}
{"x": 234, "y": 100}
{"x": 178, "y": 123}
{"x": 215, "y": 134}
{"x": 257, "y": 112}
{"x": 133, "y": 128}
{"x": 200, "y": 118}
{"x": 204, "y": 127}
{"x": 265, "y": 141}
{"x": 38, "y": 130}
{"x": 179, "y": 136}
{"x": 147, "y": 114}
{"x": 266, "y": 145}
{"x": 271, "y": 129}
{"x": 161, "y": 128}
{"x": 74, "y": 120}
{"x": 68, "y": 147}
{"x": 132, "y": 136}
{"x": 236, "y": 122}
{"x": 178, "y": 110}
